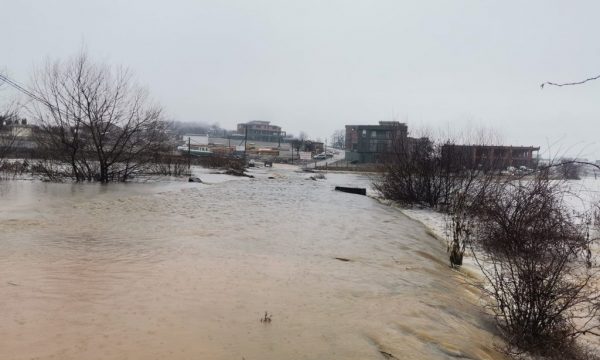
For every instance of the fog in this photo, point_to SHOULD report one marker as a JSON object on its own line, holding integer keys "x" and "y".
{"x": 315, "y": 66}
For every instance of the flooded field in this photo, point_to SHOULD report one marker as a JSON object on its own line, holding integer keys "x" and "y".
{"x": 176, "y": 270}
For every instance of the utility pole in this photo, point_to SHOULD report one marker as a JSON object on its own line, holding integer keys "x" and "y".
{"x": 245, "y": 141}
{"x": 325, "y": 154}
{"x": 189, "y": 155}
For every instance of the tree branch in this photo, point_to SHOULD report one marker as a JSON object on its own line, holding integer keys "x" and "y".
{"x": 570, "y": 83}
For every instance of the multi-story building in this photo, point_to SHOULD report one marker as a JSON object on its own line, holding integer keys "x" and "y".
{"x": 373, "y": 143}
{"x": 493, "y": 157}
{"x": 258, "y": 130}
{"x": 376, "y": 143}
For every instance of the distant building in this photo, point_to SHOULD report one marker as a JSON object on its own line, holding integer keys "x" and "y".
{"x": 258, "y": 130}
{"x": 17, "y": 133}
{"x": 373, "y": 143}
{"x": 314, "y": 147}
{"x": 489, "y": 156}
{"x": 195, "y": 139}
{"x": 20, "y": 131}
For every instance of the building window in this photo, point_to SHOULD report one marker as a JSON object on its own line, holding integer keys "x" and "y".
{"x": 364, "y": 133}
{"x": 373, "y": 134}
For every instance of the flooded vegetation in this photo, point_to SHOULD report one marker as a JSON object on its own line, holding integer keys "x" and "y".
{"x": 275, "y": 267}
{"x": 299, "y": 180}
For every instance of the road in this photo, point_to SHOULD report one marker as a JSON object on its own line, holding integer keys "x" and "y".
{"x": 341, "y": 155}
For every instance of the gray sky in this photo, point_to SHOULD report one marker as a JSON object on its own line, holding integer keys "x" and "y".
{"x": 318, "y": 65}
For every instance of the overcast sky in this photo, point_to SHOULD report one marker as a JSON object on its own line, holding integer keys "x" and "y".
{"x": 318, "y": 65}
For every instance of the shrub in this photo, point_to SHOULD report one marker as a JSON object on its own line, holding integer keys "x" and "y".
{"x": 536, "y": 258}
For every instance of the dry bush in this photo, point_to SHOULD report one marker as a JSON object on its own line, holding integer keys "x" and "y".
{"x": 438, "y": 174}
{"x": 535, "y": 252}
{"x": 433, "y": 170}
{"x": 221, "y": 162}
{"x": 168, "y": 165}
{"x": 414, "y": 174}
{"x": 540, "y": 273}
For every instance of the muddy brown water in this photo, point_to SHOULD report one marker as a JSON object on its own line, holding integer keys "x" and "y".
{"x": 173, "y": 270}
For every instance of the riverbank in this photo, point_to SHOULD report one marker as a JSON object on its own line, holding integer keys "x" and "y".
{"x": 580, "y": 197}
{"x": 437, "y": 224}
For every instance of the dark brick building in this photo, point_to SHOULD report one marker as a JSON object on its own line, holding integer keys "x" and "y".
{"x": 373, "y": 143}
{"x": 489, "y": 156}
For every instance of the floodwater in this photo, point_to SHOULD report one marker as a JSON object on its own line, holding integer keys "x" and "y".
{"x": 175, "y": 270}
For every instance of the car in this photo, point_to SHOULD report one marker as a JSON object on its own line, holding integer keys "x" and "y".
{"x": 320, "y": 157}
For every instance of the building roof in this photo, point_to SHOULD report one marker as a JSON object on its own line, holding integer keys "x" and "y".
{"x": 262, "y": 122}
{"x": 382, "y": 124}
{"x": 503, "y": 147}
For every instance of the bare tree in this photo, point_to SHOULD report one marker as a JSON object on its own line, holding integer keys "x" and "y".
{"x": 303, "y": 136}
{"x": 444, "y": 175}
{"x": 535, "y": 252}
{"x": 570, "y": 83}
{"x": 569, "y": 169}
{"x": 94, "y": 118}
{"x": 9, "y": 116}
{"x": 427, "y": 171}
{"x": 539, "y": 268}
{"x": 338, "y": 139}
{"x": 413, "y": 173}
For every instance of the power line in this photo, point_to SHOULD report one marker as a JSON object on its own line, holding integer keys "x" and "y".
{"x": 30, "y": 94}
{"x": 20, "y": 88}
